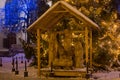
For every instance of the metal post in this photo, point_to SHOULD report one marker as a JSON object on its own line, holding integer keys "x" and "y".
{"x": 21, "y": 59}
{"x": 28, "y": 60}
{"x": 1, "y": 62}
{"x": 38, "y": 50}
{"x": 25, "y": 72}
{"x": 16, "y": 71}
{"x": 13, "y": 64}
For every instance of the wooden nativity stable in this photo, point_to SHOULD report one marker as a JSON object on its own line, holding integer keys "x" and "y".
{"x": 47, "y": 22}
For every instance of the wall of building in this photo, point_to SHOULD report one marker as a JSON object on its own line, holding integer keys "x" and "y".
{"x": 2, "y": 36}
{"x": 18, "y": 35}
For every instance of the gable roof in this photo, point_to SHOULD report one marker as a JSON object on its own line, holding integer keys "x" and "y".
{"x": 55, "y": 13}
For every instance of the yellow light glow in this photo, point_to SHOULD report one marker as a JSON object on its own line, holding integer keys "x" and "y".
{"x": 67, "y": 0}
{"x": 115, "y": 26}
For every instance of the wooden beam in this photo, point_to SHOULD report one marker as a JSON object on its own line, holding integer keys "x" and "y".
{"x": 38, "y": 50}
{"x": 86, "y": 47}
{"x": 86, "y": 43}
{"x": 54, "y": 22}
{"x": 71, "y": 31}
{"x": 60, "y": 11}
{"x": 90, "y": 48}
{"x": 79, "y": 15}
{"x": 51, "y": 47}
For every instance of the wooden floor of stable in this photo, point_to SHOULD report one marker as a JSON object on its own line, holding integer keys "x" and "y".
{"x": 65, "y": 73}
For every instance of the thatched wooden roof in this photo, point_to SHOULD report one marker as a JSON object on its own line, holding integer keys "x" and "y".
{"x": 55, "y": 13}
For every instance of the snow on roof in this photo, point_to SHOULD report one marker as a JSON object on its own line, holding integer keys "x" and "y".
{"x": 55, "y": 13}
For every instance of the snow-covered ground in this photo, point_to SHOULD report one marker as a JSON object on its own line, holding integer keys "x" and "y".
{"x": 7, "y": 66}
{"x": 113, "y": 75}
{"x": 6, "y": 71}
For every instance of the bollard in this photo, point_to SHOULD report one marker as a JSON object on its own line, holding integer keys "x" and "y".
{"x": 21, "y": 59}
{"x": 87, "y": 76}
{"x": 28, "y": 60}
{"x": 16, "y": 71}
{"x": 13, "y": 64}
{"x": 25, "y": 72}
{"x": 1, "y": 62}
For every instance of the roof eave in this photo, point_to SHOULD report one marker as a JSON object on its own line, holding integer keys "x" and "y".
{"x": 75, "y": 12}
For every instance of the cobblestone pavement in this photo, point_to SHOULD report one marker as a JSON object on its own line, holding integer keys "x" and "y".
{"x": 7, "y": 74}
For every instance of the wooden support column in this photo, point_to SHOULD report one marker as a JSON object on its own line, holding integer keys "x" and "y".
{"x": 38, "y": 50}
{"x": 86, "y": 43}
{"x": 86, "y": 46}
{"x": 90, "y": 48}
{"x": 50, "y": 49}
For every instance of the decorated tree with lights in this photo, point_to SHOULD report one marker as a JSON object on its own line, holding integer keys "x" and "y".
{"x": 106, "y": 42}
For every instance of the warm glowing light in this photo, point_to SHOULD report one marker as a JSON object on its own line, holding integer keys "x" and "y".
{"x": 67, "y": 0}
{"x": 115, "y": 26}
{"x": 103, "y": 23}
{"x": 109, "y": 42}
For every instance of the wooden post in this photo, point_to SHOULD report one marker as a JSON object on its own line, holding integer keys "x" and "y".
{"x": 86, "y": 43}
{"x": 91, "y": 49}
{"x": 50, "y": 49}
{"x": 86, "y": 46}
{"x": 38, "y": 50}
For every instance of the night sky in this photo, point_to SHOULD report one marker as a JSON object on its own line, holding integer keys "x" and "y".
{"x": 117, "y": 5}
